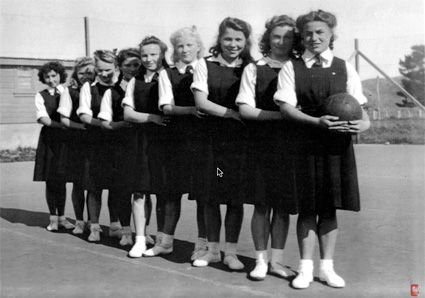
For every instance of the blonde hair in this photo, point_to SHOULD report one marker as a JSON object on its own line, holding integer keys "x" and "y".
{"x": 186, "y": 31}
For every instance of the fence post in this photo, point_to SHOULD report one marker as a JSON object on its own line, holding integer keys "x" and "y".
{"x": 87, "y": 35}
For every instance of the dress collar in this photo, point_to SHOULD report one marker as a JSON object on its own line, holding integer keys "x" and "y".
{"x": 181, "y": 67}
{"x": 220, "y": 59}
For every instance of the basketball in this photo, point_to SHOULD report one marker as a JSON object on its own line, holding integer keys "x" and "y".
{"x": 344, "y": 106}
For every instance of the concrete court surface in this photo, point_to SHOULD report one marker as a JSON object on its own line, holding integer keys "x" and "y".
{"x": 380, "y": 250}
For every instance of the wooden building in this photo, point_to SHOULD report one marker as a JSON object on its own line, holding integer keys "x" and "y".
{"x": 18, "y": 85}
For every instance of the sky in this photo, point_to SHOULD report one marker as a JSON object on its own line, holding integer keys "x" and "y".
{"x": 386, "y": 29}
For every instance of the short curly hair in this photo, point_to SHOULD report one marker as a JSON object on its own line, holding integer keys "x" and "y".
{"x": 57, "y": 67}
{"x": 154, "y": 40}
{"x": 272, "y": 23}
{"x": 105, "y": 56}
{"x": 318, "y": 16}
{"x": 238, "y": 25}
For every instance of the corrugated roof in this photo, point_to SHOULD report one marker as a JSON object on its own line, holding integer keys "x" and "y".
{"x": 15, "y": 61}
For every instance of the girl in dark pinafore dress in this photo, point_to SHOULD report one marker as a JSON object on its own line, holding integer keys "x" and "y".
{"x": 51, "y": 154}
{"x": 76, "y": 140}
{"x": 269, "y": 171}
{"x": 99, "y": 162}
{"x": 121, "y": 141}
{"x": 218, "y": 178}
{"x": 141, "y": 108}
{"x": 325, "y": 165}
{"x": 176, "y": 100}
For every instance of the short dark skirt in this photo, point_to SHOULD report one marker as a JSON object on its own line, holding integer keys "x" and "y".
{"x": 326, "y": 172}
{"x": 120, "y": 159}
{"x": 76, "y": 166}
{"x": 169, "y": 155}
{"x": 221, "y": 145}
{"x": 51, "y": 155}
{"x": 269, "y": 172}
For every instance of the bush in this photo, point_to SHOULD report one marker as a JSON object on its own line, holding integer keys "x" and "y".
{"x": 20, "y": 154}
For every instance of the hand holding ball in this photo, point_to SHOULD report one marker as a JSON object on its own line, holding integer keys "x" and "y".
{"x": 344, "y": 106}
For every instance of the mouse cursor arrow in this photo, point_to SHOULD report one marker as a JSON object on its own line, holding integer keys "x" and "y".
{"x": 219, "y": 173}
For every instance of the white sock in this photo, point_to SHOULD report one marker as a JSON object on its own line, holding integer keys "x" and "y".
{"x": 126, "y": 230}
{"x": 116, "y": 225}
{"x": 214, "y": 247}
{"x": 53, "y": 218}
{"x": 79, "y": 222}
{"x": 230, "y": 248}
{"x": 158, "y": 239}
{"x": 95, "y": 226}
{"x": 326, "y": 264}
{"x": 262, "y": 256}
{"x": 141, "y": 239}
{"x": 167, "y": 240}
{"x": 201, "y": 242}
{"x": 277, "y": 256}
{"x": 62, "y": 218}
{"x": 306, "y": 265}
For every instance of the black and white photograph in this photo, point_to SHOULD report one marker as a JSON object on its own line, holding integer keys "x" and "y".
{"x": 212, "y": 148}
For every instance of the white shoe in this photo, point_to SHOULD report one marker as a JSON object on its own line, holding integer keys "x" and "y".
{"x": 331, "y": 278}
{"x": 126, "y": 239}
{"x": 207, "y": 259}
{"x": 94, "y": 234}
{"x": 65, "y": 224}
{"x": 259, "y": 272}
{"x": 138, "y": 249}
{"x": 233, "y": 262}
{"x": 117, "y": 233}
{"x": 79, "y": 227}
{"x": 303, "y": 280}
{"x": 53, "y": 226}
{"x": 158, "y": 250}
{"x": 279, "y": 269}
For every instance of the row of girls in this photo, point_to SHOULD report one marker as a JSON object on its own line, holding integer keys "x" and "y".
{"x": 167, "y": 130}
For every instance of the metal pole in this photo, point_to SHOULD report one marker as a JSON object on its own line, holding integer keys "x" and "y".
{"x": 87, "y": 35}
{"x": 379, "y": 98}
{"x": 356, "y": 63}
{"x": 392, "y": 81}
{"x": 356, "y": 48}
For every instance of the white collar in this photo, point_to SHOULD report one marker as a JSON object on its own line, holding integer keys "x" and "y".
{"x": 112, "y": 83}
{"x": 236, "y": 63}
{"x": 181, "y": 67}
{"x": 52, "y": 90}
{"x": 270, "y": 62}
{"x": 149, "y": 74}
{"x": 309, "y": 56}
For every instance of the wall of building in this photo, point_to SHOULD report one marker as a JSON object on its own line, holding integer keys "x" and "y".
{"x": 18, "y": 85}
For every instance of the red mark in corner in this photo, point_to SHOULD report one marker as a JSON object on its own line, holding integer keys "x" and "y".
{"x": 414, "y": 290}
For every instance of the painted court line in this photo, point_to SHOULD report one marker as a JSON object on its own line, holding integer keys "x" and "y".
{"x": 245, "y": 289}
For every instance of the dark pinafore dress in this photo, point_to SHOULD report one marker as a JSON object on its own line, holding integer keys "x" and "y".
{"x": 99, "y": 163}
{"x": 77, "y": 169}
{"x": 51, "y": 153}
{"x": 325, "y": 163}
{"x": 183, "y": 132}
{"x": 269, "y": 172}
{"x": 153, "y": 141}
{"x": 121, "y": 148}
{"x": 222, "y": 143}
